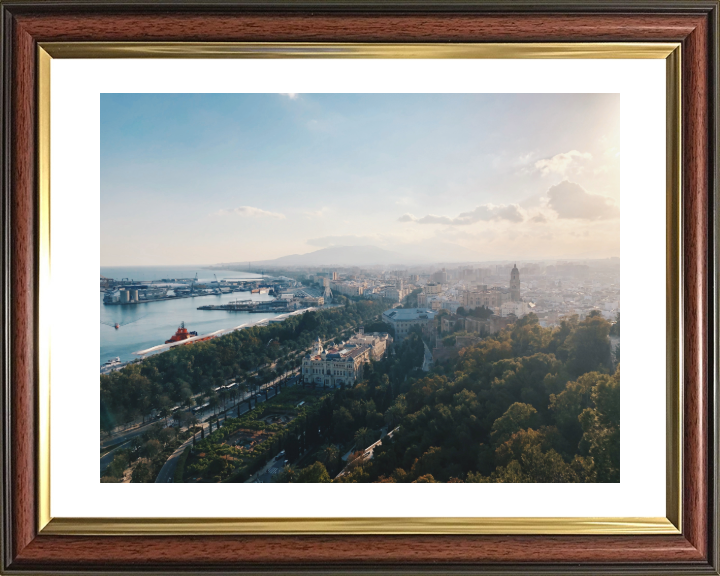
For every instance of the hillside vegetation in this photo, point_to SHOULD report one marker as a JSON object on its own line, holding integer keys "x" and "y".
{"x": 530, "y": 404}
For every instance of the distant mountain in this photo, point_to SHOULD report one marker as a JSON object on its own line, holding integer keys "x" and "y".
{"x": 339, "y": 256}
{"x": 424, "y": 252}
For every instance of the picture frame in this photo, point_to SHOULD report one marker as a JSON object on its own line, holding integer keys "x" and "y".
{"x": 686, "y": 540}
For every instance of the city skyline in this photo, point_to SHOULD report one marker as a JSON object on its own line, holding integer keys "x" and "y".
{"x": 431, "y": 177}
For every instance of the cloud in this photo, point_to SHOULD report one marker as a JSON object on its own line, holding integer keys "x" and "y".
{"x": 484, "y": 213}
{"x": 570, "y": 200}
{"x": 560, "y": 163}
{"x": 525, "y": 158}
{"x": 349, "y": 240}
{"x": 316, "y": 213}
{"x": 251, "y": 212}
{"x": 539, "y": 219}
{"x": 291, "y": 95}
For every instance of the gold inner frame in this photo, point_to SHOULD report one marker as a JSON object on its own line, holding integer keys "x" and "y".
{"x": 671, "y": 524}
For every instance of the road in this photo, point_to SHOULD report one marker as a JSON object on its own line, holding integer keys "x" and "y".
{"x": 427, "y": 359}
{"x": 167, "y": 472}
{"x": 171, "y": 463}
{"x": 107, "y": 459}
{"x": 124, "y": 436}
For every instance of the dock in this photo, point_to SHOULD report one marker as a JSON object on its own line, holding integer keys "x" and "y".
{"x": 249, "y": 306}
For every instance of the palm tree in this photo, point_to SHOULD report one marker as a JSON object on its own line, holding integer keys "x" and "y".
{"x": 223, "y": 397}
{"x": 214, "y": 403}
{"x": 164, "y": 413}
{"x": 363, "y": 438}
{"x": 329, "y": 454}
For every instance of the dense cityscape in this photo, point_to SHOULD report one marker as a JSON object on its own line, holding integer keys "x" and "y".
{"x": 395, "y": 287}
{"x": 330, "y": 389}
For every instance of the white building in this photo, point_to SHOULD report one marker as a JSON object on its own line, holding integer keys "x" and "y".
{"x": 335, "y": 366}
{"x": 520, "y": 309}
{"x": 378, "y": 342}
{"x": 433, "y": 288}
{"x": 348, "y": 288}
{"x": 404, "y": 319}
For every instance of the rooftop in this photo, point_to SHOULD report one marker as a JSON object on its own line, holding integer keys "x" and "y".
{"x": 409, "y": 314}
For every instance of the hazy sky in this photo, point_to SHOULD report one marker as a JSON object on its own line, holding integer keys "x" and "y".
{"x": 208, "y": 178}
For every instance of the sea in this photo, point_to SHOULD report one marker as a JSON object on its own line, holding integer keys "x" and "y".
{"x": 151, "y": 323}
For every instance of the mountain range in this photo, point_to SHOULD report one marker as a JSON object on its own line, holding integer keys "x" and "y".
{"x": 368, "y": 256}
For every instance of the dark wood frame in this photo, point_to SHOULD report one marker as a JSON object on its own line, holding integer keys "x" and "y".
{"x": 694, "y": 23}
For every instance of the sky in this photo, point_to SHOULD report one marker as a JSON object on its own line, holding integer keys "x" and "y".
{"x": 211, "y": 178}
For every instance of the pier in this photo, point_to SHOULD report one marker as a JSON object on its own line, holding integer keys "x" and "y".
{"x": 250, "y": 306}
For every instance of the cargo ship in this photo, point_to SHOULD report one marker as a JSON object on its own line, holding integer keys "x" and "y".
{"x": 181, "y": 334}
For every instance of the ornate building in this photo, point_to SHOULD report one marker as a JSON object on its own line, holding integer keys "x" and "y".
{"x": 343, "y": 365}
{"x": 515, "y": 284}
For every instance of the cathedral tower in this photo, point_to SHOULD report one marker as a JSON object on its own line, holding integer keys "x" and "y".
{"x": 515, "y": 284}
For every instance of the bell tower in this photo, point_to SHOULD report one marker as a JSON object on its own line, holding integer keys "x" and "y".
{"x": 515, "y": 284}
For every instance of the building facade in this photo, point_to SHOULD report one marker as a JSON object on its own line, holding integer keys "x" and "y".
{"x": 348, "y": 288}
{"x": 378, "y": 342}
{"x": 493, "y": 298}
{"x": 490, "y": 325}
{"x": 342, "y": 366}
{"x": 432, "y": 288}
{"x": 403, "y": 320}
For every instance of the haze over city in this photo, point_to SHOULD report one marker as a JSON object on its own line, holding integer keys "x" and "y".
{"x": 420, "y": 178}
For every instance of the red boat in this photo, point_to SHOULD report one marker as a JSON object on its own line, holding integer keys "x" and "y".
{"x": 181, "y": 334}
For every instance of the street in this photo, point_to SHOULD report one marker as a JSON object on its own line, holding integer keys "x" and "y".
{"x": 167, "y": 472}
{"x": 427, "y": 359}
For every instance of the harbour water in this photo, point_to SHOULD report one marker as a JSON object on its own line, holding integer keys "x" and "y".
{"x": 158, "y": 321}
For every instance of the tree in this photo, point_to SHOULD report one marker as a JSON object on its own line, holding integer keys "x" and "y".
{"x": 166, "y": 436}
{"x": 213, "y": 400}
{"x": 329, "y": 454}
{"x": 287, "y": 475}
{"x": 118, "y": 465}
{"x": 544, "y": 467}
{"x": 142, "y": 473}
{"x": 569, "y": 404}
{"x": 315, "y": 473}
{"x": 184, "y": 418}
{"x": 151, "y": 448}
{"x": 342, "y": 423}
{"x": 426, "y": 479}
{"x": 601, "y": 427}
{"x": 517, "y": 417}
{"x": 589, "y": 346}
{"x": 364, "y": 438}
{"x": 292, "y": 446}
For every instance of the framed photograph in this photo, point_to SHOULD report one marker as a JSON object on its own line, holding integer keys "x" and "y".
{"x": 360, "y": 283}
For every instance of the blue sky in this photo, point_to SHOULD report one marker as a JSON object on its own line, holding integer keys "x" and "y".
{"x": 206, "y": 178}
